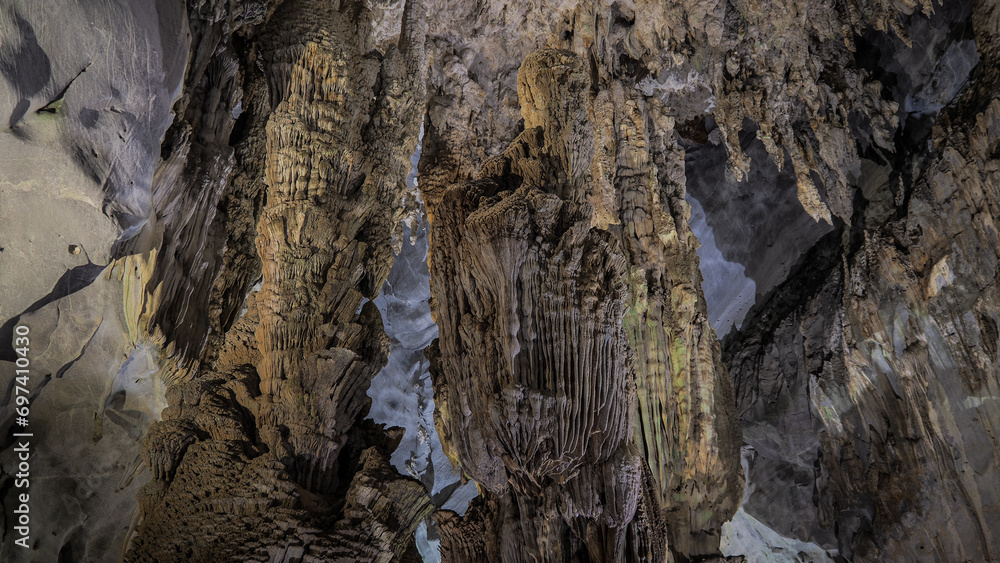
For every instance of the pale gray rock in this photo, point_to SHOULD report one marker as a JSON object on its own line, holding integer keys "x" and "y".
{"x": 85, "y": 97}
{"x": 746, "y": 536}
{"x": 88, "y": 102}
{"x": 402, "y": 393}
{"x": 94, "y": 393}
{"x": 729, "y": 293}
{"x": 758, "y": 223}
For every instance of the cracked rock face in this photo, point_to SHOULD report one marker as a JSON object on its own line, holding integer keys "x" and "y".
{"x": 692, "y": 281}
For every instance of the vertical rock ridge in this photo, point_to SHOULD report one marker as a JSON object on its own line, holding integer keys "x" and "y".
{"x": 514, "y": 343}
{"x": 267, "y": 434}
{"x": 532, "y": 358}
{"x": 686, "y": 421}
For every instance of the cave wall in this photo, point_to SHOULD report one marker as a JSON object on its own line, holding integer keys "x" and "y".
{"x": 862, "y": 379}
{"x": 273, "y": 428}
{"x": 84, "y": 112}
{"x": 609, "y": 188}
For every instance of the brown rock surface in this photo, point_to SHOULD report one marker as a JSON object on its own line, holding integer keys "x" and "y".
{"x": 598, "y": 336}
{"x": 201, "y": 306}
{"x": 266, "y": 436}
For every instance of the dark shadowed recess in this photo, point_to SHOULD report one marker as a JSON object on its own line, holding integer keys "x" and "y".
{"x": 24, "y": 64}
{"x": 759, "y": 222}
{"x": 805, "y": 280}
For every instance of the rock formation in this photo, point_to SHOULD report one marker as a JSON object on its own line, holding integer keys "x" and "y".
{"x": 595, "y": 342}
{"x": 267, "y": 435}
{"x": 864, "y": 378}
{"x": 201, "y": 203}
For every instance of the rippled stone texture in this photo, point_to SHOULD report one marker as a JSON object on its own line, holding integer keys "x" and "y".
{"x": 533, "y": 284}
{"x": 263, "y": 453}
{"x": 532, "y": 357}
{"x": 840, "y": 158}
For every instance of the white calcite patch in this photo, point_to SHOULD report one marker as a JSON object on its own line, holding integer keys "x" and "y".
{"x": 745, "y": 535}
{"x": 729, "y": 293}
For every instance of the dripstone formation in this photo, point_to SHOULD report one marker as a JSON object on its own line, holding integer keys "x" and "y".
{"x": 577, "y": 435}
{"x": 230, "y": 180}
{"x": 269, "y": 439}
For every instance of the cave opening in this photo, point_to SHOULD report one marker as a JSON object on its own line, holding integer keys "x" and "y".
{"x": 402, "y": 393}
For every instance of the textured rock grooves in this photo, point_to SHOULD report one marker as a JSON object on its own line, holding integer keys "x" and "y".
{"x": 577, "y": 377}
{"x": 549, "y": 323}
{"x": 887, "y": 354}
{"x": 261, "y": 456}
{"x": 547, "y": 386}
